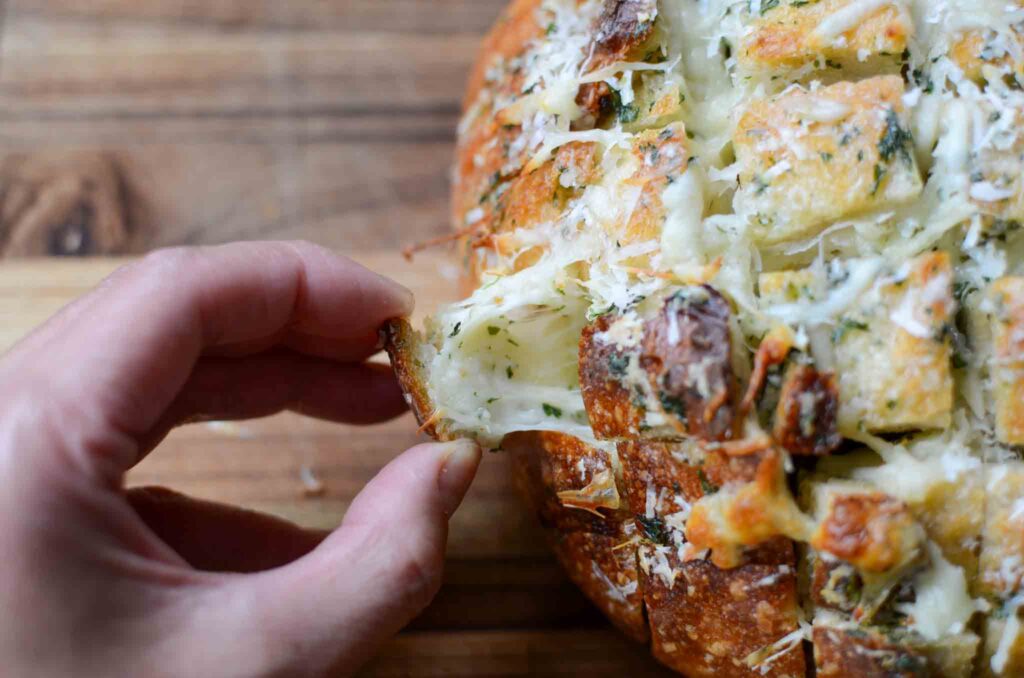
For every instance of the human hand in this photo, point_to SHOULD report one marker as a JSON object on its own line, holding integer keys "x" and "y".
{"x": 99, "y": 581}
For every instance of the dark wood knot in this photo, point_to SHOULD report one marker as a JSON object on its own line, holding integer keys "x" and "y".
{"x": 61, "y": 204}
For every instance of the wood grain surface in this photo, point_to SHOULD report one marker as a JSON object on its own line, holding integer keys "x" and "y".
{"x": 505, "y": 609}
{"x": 132, "y": 124}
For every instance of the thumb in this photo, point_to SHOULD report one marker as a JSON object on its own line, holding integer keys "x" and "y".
{"x": 330, "y": 610}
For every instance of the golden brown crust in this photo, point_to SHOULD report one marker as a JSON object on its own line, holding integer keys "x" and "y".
{"x": 834, "y": 585}
{"x": 807, "y": 416}
{"x": 754, "y": 605}
{"x": 687, "y": 356}
{"x": 610, "y": 406}
{"x": 840, "y": 652}
{"x": 784, "y": 37}
{"x": 624, "y": 32}
{"x": 511, "y": 34}
{"x": 482, "y": 166}
{"x": 873, "y": 531}
{"x": 400, "y": 343}
{"x": 714, "y": 619}
{"x": 539, "y": 195}
{"x": 594, "y": 545}
{"x": 1002, "y": 555}
{"x": 840, "y": 168}
{"x": 1007, "y": 296}
{"x": 624, "y": 29}
{"x": 550, "y": 463}
{"x": 675, "y": 365}
{"x": 604, "y": 568}
{"x": 748, "y": 513}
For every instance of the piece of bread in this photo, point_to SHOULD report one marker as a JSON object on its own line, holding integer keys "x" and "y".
{"x": 745, "y": 305}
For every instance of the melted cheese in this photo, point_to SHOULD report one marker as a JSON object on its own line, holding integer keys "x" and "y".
{"x": 942, "y": 606}
{"x": 848, "y": 17}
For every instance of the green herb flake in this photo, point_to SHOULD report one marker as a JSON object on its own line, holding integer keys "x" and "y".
{"x": 627, "y": 113}
{"x": 617, "y": 364}
{"x": 896, "y": 140}
{"x": 456, "y": 330}
{"x": 653, "y": 528}
{"x": 847, "y": 325}
{"x": 551, "y": 411}
{"x": 959, "y": 362}
{"x": 492, "y": 330}
{"x": 706, "y": 486}
{"x": 672, "y": 404}
{"x": 879, "y": 176}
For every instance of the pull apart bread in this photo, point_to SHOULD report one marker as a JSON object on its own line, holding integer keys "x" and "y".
{"x": 748, "y": 310}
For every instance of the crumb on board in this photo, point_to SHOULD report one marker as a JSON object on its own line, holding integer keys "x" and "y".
{"x": 230, "y": 428}
{"x": 311, "y": 485}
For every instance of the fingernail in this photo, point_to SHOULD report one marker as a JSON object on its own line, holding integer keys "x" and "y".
{"x": 457, "y": 472}
{"x": 405, "y": 301}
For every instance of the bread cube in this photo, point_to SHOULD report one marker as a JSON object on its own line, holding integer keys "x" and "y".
{"x": 1006, "y": 366}
{"x": 811, "y": 157}
{"x": 892, "y": 355}
{"x": 836, "y": 34}
{"x": 1002, "y": 547}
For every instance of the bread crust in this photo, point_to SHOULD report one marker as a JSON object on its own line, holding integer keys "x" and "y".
{"x": 597, "y": 546}
{"x": 401, "y": 343}
{"x": 754, "y": 605}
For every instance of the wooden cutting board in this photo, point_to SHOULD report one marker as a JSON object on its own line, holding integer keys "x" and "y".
{"x": 505, "y": 608}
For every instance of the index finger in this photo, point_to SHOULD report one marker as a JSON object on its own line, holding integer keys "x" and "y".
{"x": 128, "y": 347}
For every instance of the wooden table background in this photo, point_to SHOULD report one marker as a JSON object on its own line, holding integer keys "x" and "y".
{"x": 127, "y": 125}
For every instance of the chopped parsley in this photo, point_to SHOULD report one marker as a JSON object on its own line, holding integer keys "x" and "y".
{"x": 672, "y": 404}
{"x": 617, "y": 364}
{"x": 492, "y": 330}
{"x": 593, "y": 314}
{"x": 456, "y": 330}
{"x": 706, "y": 485}
{"x": 551, "y": 411}
{"x": 896, "y": 140}
{"x": 958, "y": 361}
{"x": 627, "y": 113}
{"x": 654, "y": 529}
{"x": 847, "y": 325}
{"x": 880, "y": 173}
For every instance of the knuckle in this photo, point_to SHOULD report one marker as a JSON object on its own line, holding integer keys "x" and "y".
{"x": 169, "y": 259}
{"x": 416, "y": 574}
